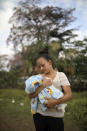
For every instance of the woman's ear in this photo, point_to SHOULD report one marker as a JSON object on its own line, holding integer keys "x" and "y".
{"x": 50, "y": 62}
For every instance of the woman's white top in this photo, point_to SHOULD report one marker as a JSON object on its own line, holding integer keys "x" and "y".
{"x": 59, "y": 81}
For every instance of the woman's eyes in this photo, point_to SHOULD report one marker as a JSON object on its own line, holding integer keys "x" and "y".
{"x": 42, "y": 65}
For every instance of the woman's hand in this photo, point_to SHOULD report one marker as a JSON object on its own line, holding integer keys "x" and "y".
{"x": 50, "y": 102}
{"x": 67, "y": 96}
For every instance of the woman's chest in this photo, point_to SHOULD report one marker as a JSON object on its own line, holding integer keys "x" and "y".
{"x": 57, "y": 83}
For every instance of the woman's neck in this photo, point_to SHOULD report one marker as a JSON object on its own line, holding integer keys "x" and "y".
{"x": 51, "y": 72}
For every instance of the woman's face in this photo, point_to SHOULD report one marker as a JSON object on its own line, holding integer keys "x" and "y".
{"x": 44, "y": 65}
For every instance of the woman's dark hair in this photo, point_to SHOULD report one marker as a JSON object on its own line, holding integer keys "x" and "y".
{"x": 44, "y": 53}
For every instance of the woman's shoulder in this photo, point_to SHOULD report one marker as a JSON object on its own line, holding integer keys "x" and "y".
{"x": 60, "y": 73}
{"x": 63, "y": 78}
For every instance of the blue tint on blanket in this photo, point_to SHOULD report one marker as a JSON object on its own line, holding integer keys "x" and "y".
{"x": 34, "y": 82}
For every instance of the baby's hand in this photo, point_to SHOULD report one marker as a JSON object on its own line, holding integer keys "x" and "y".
{"x": 46, "y": 82}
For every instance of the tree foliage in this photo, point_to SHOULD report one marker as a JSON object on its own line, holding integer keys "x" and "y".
{"x": 33, "y": 24}
{"x": 11, "y": 79}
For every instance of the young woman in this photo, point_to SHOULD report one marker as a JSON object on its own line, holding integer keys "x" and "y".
{"x": 51, "y": 119}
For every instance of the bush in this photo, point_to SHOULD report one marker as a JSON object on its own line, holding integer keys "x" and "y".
{"x": 77, "y": 109}
{"x": 11, "y": 79}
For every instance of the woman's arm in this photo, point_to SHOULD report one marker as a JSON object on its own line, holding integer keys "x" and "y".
{"x": 38, "y": 90}
{"x": 67, "y": 96}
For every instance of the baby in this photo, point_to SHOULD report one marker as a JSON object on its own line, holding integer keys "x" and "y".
{"x": 34, "y": 82}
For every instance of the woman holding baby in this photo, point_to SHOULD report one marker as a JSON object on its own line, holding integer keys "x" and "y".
{"x": 51, "y": 119}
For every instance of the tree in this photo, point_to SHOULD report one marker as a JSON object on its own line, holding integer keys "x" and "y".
{"x": 32, "y": 24}
{"x": 4, "y": 60}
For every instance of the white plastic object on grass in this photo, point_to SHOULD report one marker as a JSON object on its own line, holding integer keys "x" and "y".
{"x": 21, "y": 104}
{"x": 13, "y": 100}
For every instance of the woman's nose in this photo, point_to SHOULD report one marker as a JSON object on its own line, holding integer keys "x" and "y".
{"x": 41, "y": 68}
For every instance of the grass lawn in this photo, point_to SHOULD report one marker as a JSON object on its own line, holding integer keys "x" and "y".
{"x": 16, "y": 115}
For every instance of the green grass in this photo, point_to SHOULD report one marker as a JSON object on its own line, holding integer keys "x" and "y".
{"x": 77, "y": 110}
{"x": 14, "y": 117}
